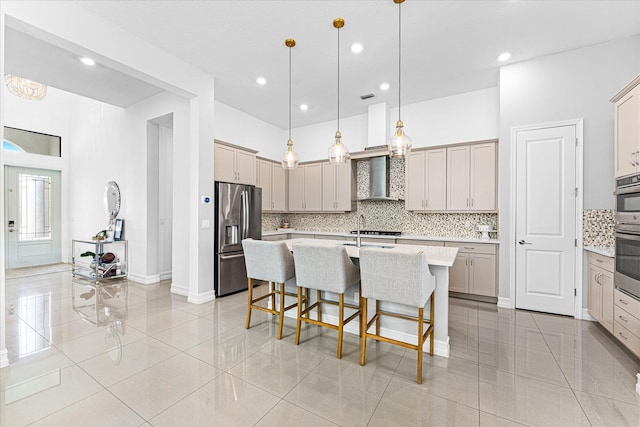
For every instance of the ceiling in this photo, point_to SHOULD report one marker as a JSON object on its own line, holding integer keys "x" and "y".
{"x": 448, "y": 47}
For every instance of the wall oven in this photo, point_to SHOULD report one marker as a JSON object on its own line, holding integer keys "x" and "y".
{"x": 627, "y": 274}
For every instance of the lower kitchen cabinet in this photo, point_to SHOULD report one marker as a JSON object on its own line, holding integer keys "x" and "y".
{"x": 601, "y": 289}
{"x": 474, "y": 270}
{"x": 626, "y": 323}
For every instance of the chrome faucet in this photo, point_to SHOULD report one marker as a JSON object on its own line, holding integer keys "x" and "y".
{"x": 358, "y": 241}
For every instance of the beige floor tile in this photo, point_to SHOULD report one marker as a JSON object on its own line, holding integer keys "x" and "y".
{"x": 34, "y": 365}
{"x": 406, "y": 404}
{"x": 133, "y": 358}
{"x": 35, "y": 398}
{"x": 277, "y": 367}
{"x": 88, "y": 346}
{"x": 607, "y": 412}
{"x": 528, "y": 401}
{"x": 155, "y": 389}
{"x": 526, "y": 362}
{"x": 513, "y": 334}
{"x": 99, "y": 410}
{"x": 63, "y": 332}
{"x": 344, "y": 393}
{"x": 287, "y": 414}
{"x": 154, "y": 323}
{"x": 226, "y": 401}
{"x": 188, "y": 334}
{"x": 604, "y": 377}
{"x": 490, "y": 420}
{"x": 27, "y": 343}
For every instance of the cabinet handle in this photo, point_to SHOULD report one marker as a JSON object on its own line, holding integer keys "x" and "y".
{"x": 599, "y": 260}
{"x": 426, "y": 203}
{"x": 469, "y": 247}
{"x": 598, "y": 278}
{"x": 623, "y": 301}
{"x": 624, "y": 319}
{"x": 467, "y": 202}
{"x": 622, "y": 335}
{"x": 472, "y": 202}
{"x": 466, "y": 262}
{"x": 631, "y": 160}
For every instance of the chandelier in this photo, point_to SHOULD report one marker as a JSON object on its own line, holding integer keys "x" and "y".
{"x": 25, "y": 88}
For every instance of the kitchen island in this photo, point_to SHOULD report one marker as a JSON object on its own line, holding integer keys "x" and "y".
{"x": 440, "y": 259}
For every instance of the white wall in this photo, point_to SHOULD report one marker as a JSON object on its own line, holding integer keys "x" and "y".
{"x": 237, "y": 127}
{"x": 165, "y": 202}
{"x": 570, "y": 85}
{"x": 312, "y": 142}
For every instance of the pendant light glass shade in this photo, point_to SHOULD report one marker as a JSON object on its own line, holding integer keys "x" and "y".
{"x": 399, "y": 144}
{"x": 290, "y": 158}
{"x": 338, "y": 152}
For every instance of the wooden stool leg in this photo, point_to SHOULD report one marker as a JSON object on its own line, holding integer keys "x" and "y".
{"x": 420, "y": 342}
{"x": 249, "y": 301}
{"x": 272, "y": 290}
{"x": 281, "y": 311}
{"x": 431, "y": 339}
{"x": 298, "y": 321}
{"x": 319, "y": 306}
{"x": 306, "y": 301}
{"x": 340, "y": 324}
{"x": 378, "y": 318}
{"x": 363, "y": 329}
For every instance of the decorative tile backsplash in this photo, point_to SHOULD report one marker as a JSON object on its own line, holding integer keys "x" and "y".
{"x": 598, "y": 227}
{"x": 388, "y": 216}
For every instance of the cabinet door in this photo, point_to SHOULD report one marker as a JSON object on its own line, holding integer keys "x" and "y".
{"x": 329, "y": 187}
{"x": 313, "y": 187}
{"x": 606, "y": 297}
{"x": 345, "y": 187}
{"x": 296, "y": 189}
{"x": 278, "y": 188}
{"x": 459, "y": 273}
{"x": 627, "y": 132}
{"x": 458, "y": 178}
{"x": 245, "y": 167}
{"x": 483, "y": 177}
{"x": 595, "y": 291}
{"x": 482, "y": 274}
{"x": 415, "y": 181}
{"x": 264, "y": 182}
{"x": 436, "y": 180}
{"x": 224, "y": 163}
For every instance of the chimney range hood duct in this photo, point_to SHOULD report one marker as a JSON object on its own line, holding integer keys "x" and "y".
{"x": 379, "y": 179}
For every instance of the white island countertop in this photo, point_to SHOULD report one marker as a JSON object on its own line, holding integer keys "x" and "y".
{"x": 337, "y": 234}
{"x": 440, "y": 259}
{"x": 436, "y": 255}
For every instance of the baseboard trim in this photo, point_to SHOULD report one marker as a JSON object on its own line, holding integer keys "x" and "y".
{"x": 179, "y": 289}
{"x": 145, "y": 280}
{"x": 165, "y": 276}
{"x": 4, "y": 358}
{"x": 504, "y": 302}
{"x": 201, "y": 298}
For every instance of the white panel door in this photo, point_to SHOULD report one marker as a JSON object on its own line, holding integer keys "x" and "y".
{"x": 32, "y": 212}
{"x": 546, "y": 219}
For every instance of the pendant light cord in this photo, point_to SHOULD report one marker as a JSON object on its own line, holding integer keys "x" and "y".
{"x": 399, "y": 57}
{"x": 338, "y": 97}
{"x": 289, "y": 93}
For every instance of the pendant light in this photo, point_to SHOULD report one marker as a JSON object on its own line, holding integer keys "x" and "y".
{"x": 400, "y": 143}
{"x": 290, "y": 158}
{"x": 338, "y": 152}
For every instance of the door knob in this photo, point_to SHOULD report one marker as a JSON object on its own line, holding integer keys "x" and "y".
{"x": 522, "y": 242}
{"x": 11, "y": 224}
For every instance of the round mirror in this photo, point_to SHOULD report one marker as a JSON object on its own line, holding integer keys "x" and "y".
{"x": 112, "y": 199}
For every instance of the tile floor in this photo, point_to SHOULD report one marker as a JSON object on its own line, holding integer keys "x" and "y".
{"x": 181, "y": 364}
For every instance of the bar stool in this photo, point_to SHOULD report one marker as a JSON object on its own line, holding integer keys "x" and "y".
{"x": 271, "y": 262}
{"x": 325, "y": 268}
{"x": 401, "y": 278}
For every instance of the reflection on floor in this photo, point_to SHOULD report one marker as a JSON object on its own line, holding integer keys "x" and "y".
{"x": 171, "y": 363}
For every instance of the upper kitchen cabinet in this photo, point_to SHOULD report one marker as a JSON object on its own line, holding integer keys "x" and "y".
{"x": 271, "y": 178}
{"x": 627, "y": 131}
{"x": 305, "y": 188}
{"x": 426, "y": 180}
{"x": 338, "y": 187}
{"x": 234, "y": 164}
{"x": 471, "y": 177}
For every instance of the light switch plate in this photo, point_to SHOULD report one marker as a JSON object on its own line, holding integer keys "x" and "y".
{"x": 205, "y": 223}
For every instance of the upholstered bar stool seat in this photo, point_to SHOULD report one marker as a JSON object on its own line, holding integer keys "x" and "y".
{"x": 325, "y": 268}
{"x": 270, "y": 262}
{"x": 401, "y": 278}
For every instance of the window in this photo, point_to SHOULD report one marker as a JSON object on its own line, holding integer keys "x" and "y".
{"x": 20, "y": 140}
{"x": 34, "y": 204}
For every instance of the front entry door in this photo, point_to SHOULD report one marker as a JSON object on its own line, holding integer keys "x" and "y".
{"x": 32, "y": 215}
{"x": 546, "y": 219}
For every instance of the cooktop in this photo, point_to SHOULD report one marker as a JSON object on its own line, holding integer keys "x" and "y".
{"x": 377, "y": 232}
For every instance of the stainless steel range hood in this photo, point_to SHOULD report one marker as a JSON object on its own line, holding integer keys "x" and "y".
{"x": 379, "y": 179}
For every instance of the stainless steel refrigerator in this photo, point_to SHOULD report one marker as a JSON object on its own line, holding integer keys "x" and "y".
{"x": 238, "y": 216}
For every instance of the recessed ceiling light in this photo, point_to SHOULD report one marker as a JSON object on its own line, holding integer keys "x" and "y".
{"x": 384, "y": 86}
{"x": 357, "y": 47}
{"x": 504, "y": 56}
{"x": 261, "y": 80}
{"x": 87, "y": 61}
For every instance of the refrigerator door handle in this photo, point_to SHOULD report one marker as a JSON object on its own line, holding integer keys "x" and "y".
{"x": 244, "y": 215}
{"x": 232, "y": 256}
